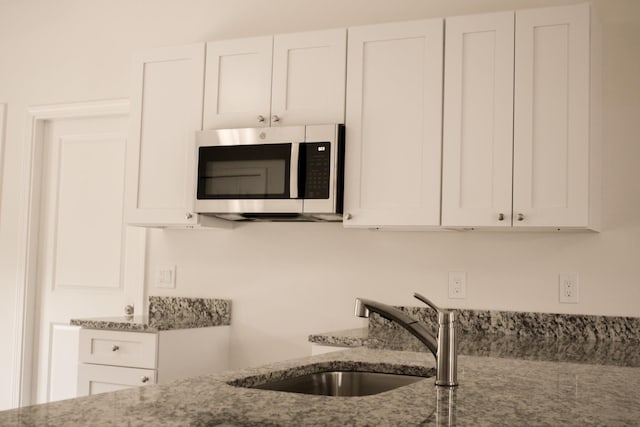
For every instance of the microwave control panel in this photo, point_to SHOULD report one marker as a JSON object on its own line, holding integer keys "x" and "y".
{"x": 315, "y": 170}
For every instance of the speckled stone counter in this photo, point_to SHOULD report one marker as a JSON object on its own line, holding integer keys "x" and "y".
{"x": 492, "y": 392}
{"x": 167, "y": 313}
{"x": 605, "y": 340}
{"x": 524, "y": 324}
{"x": 345, "y": 338}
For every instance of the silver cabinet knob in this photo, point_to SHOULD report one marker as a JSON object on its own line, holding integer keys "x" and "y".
{"x": 520, "y": 217}
{"x": 275, "y": 118}
{"x": 500, "y": 217}
{"x": 115, "y": 348}
{"x": 144, "y": 379}
{"x": 348, "y": 216}
{"x": 189, "y": 215}
{"x": 260, "y": 119}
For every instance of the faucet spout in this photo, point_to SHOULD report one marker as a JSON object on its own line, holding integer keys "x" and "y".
{"x": 417, "y": 329}
{"x": 442, "y": 346}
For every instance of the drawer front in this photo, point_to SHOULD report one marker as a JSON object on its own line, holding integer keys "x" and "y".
{"x": 131, "y": 349}
{"x": 94, "y": 379}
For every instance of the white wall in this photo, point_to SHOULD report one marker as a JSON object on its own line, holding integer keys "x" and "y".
{"x": 288, "y": 280}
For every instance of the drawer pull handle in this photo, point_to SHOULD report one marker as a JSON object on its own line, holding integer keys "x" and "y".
{"x": 144, "y": 379}
{"x": 115, "y": 348}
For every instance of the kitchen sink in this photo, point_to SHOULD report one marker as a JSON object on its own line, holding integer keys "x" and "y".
{"x": 341, "y": 383}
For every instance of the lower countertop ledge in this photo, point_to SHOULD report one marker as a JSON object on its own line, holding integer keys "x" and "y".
{"x": 492, "y": 391}
{"x": 165, "y": 314}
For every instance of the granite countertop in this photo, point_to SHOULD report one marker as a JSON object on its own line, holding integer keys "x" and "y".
{"x": 493, "y": 391}
{"x": 605, "y": 340}
{"x": 602, "y": 352}
{"x": 167, "y": 313}
{"x": 545, "y": 370}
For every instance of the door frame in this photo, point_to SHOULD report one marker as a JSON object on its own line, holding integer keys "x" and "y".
{"x": 3, "y": 136}
{"x": 26, "y": 294}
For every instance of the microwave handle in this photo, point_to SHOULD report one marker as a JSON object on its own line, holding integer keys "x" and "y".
{"x": 293, "y": 175}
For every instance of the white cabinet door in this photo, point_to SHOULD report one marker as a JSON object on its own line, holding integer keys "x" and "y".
{"x": 119, "y": 348}
{"x": 309, "y": 78}
{"x": 238, "y": 83}
{"x": 393, "y": 125}
{"x": 287, "y": 79}
{"x": 95, "y": 379}
{"x": 552, "y": 112}
{"x": 478, "y": 121}
{"x": 166, "y": 112}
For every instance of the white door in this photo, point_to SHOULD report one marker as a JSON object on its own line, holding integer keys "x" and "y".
{"x": 394, "y": 125}
{"x": 238, "y": 83}
{"x": 89, "y": 263}
{"x": 308, "y": 85}
{"x": 551, "y": 110}
{"x": 478, "y": 121}
{"x": 166, "y": 113}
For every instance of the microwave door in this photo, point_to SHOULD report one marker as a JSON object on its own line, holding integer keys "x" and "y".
{"x": 248, "y": 179}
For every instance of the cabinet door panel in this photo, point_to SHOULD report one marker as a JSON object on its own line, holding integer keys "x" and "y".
{"x": 166, "y": 112}
{"x": 95, "y": 379}
{"x": 551, "y": 127}
{"x": 478, "y": 121}
{"x": 393, "y": 117}
{"x": 309, "y": 77}
{"x": 133, "y": 349}
{"x": 238, "y": 83}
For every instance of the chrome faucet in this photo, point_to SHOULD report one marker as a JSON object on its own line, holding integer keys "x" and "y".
{"x": 442, "y": 345}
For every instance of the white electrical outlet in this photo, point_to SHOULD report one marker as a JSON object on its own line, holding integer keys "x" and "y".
{"x": 458, "y": 285}
{"x": 166, "y": 277}
{"x": 569, "y": 288}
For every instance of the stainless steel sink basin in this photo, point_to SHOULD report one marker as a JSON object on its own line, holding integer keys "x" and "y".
{"x": 341, "y": 383}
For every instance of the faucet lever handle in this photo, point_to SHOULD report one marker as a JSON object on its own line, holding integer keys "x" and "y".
{"x": 426, "y": 301}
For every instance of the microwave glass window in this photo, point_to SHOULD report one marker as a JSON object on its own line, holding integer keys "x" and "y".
{"x": 244, "y": 171}
{"x": 245, "y": 178}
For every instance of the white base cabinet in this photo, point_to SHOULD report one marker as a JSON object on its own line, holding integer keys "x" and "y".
{"x": 113, "y": 360}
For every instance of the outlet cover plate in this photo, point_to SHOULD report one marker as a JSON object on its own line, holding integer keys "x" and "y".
{"x": 568, "y": 288}
{"x": 458, "y": 285}
{"x": 166, "y": 277}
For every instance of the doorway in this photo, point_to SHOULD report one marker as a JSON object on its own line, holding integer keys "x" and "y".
{"x": 81, "y": 260}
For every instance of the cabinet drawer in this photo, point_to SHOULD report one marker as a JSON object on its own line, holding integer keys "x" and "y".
{"x": 94, "y": 379}
{"x": 132, "y": 349}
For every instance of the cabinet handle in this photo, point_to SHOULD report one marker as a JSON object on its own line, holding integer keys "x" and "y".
{"x": 144, "y": 379}
{"x": 260, "y": 119}
{"x": 275, "y": 118}
{"x": 189, "y": 215}
{"x": 348, "y": 216}
{"x": 520, "y": 217}
{"x": 115, "y": 348}
{"x": 500, "y": 217}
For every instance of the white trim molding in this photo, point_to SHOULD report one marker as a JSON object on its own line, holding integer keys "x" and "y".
{"x": 22, "y": 389}
{"x": 3, "y": 135}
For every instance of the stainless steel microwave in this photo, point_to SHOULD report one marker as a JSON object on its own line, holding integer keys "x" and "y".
{"x": 287, "y": 173}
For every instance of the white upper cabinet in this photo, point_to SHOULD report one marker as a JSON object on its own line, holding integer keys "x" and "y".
{"x": 554, "y": 183}
{"x": 238, "y": 83}
{"x": 393, "y": 125}
{"x": 166, "y": 112}
{"x": 287, "y": 79}
{"x": 478, "y": 121}
{"x": 518, "y": 148}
